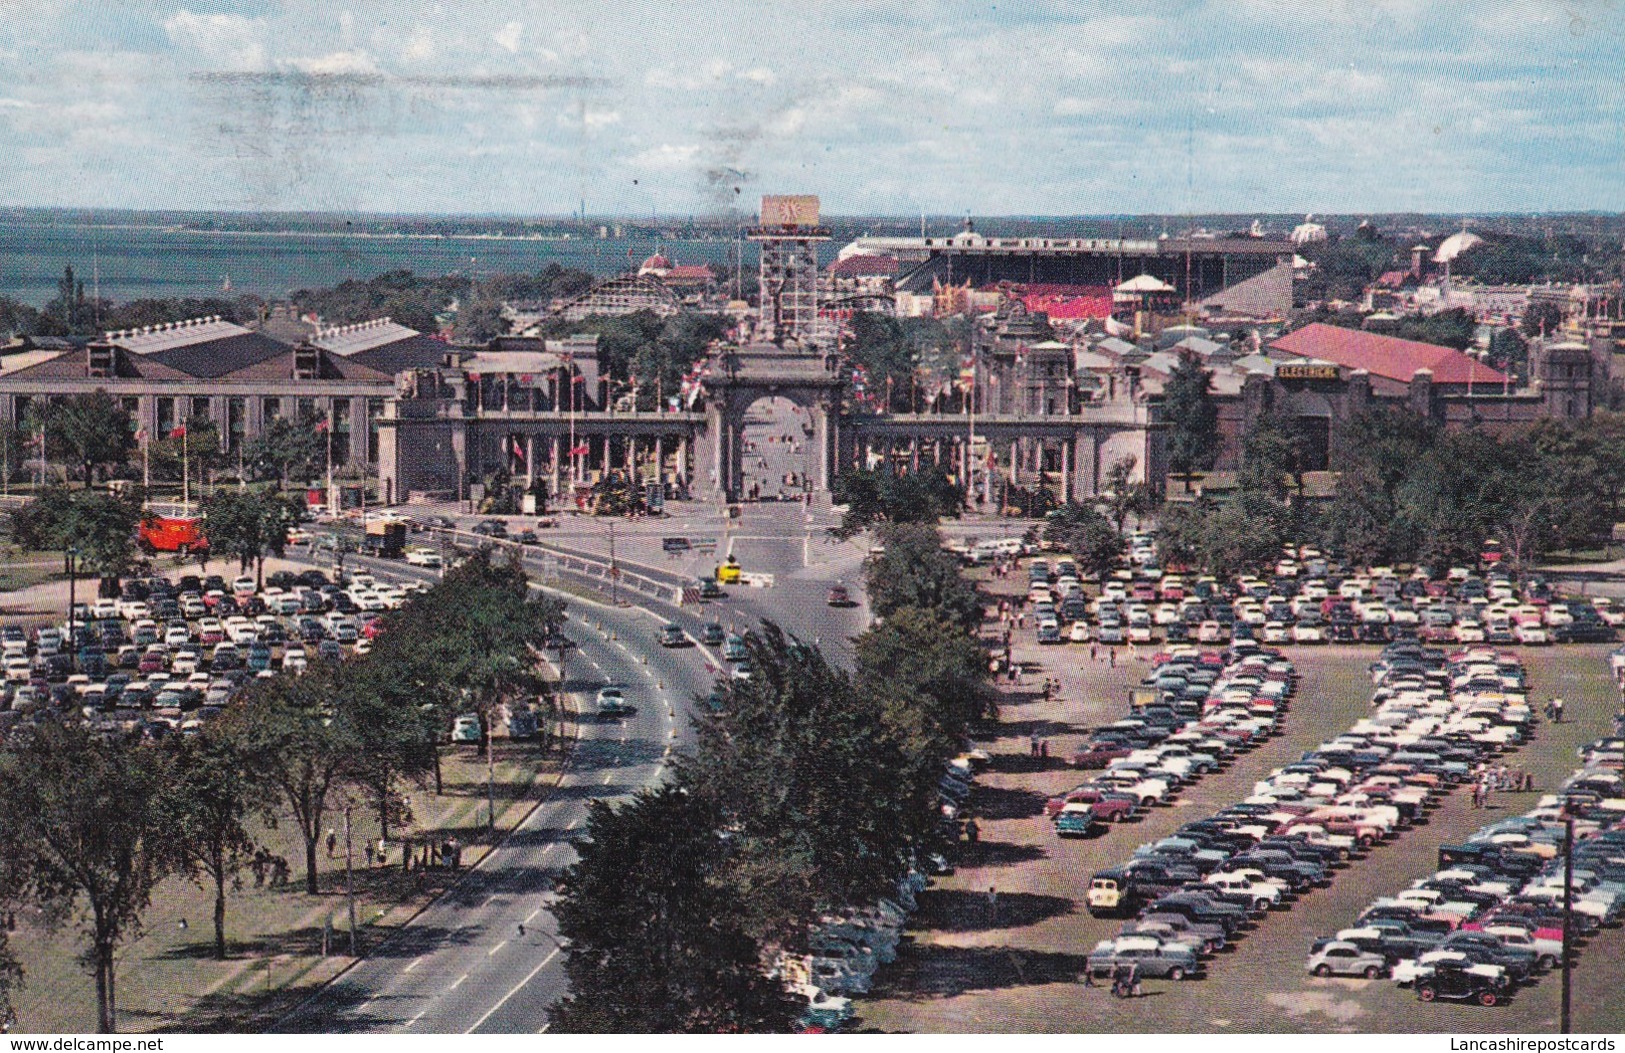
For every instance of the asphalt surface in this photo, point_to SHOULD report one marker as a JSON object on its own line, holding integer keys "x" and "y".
{"x": 463, "y": 965}
{"x": 485, "y": 956}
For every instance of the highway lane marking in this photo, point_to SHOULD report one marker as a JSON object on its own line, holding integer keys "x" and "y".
{"x": 415, "y": 963}
{"x": 543, "y": 1029}
{"x": 497, "y": 948}
{"x": 415, "y": 1019}
{"x": 367, "y": 1004}
{"x": 532, "y": 914}
{"x": 607, "y": 777}
{"x": 459, "y": 982}
{"x": 516, "y": 987}
{"x": 573, "y": 824}
{"x": 490, "y": 899}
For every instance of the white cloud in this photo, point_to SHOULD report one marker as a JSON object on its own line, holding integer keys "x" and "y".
{"x": 229, "y": 42}
{"x": 420, "y": 47}
{"x": 665, "y": 157}
{"x": 758, "y": 75}
{"x": 507, "y": 37}
{"x": 338, "y": 62}
{"x": 601, "y": 118}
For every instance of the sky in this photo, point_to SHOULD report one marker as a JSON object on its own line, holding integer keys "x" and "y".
{"x": 880, "y": 107}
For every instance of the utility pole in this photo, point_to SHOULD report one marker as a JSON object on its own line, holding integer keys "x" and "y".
{"x": 614, "y": 569}
{"x": 349, "y": 877}
{"x": 1568, "y": 916}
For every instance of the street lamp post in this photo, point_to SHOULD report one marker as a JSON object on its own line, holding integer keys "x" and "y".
{"x": 71, "y": 558}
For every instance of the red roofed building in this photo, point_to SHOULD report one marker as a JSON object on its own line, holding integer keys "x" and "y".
{"x": 1388, "y": 358}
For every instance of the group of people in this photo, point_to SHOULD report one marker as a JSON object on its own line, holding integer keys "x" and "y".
{"x": 269, "y": 869}
{"x": 1038, "y": 745}
{"x": 1487, "y": 778}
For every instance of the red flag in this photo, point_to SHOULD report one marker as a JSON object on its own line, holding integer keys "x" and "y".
{"x": 518, "y": 448}
{"x": 179, "y": 432}
{"x": 579, "y": 451}
{"x": 141, "y": 435}
{"x": 321, "y": 425}
{"x": 526, "y": 379}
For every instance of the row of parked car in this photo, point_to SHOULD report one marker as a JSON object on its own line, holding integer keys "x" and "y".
{"x": 1491, "y": 917}
{"x": 1198, "y": 890}
{"x": 165, "y": 655}
{"x": 1200, "y": 710}
{"x": 845, "y": 948}
{"x": 1307, "y": 601}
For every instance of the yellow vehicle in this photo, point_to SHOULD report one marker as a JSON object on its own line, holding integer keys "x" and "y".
{"x": 728, "y": 573}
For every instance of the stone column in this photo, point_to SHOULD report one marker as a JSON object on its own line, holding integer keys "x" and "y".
{"x": 1066, "y": 472}
{"x": 555, "y": 487}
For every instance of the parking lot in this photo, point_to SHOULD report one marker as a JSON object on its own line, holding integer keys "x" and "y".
{"x": 1018, "y": 966}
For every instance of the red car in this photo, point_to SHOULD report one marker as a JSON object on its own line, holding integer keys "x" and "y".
{"x": 1097, "y": 755}
{"x": 1107, "y": 806}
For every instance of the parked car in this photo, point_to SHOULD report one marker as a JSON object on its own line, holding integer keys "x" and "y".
{"x": 1345, "y": 958}
{"x": 466, "y": 731}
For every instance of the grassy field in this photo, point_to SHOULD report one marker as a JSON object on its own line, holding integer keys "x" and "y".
{"x": 168, "y": 979}
{"x": 21, "y": 568}
{"x": 1021, "y": 970}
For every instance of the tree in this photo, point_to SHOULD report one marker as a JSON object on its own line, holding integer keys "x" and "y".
{"x": 913, "y": 570}
{"x": 654, "y": 944}
{"x": 298, "y": 738}
{"x": 921, "y": 657}
{"x": 197, "y": 453}
{"x": 882, "y": 496}
{"x": 814, "y": 791}
{"x": 1124, "y": 496}
{"x": 1085, "y": 533}
{"x": 288, "y": 449}
{"x": 1193, "y": 419}
{"x": 85, "y": 812}
{"x": 249, "y": 525}
{"x": 1541, "y": 318}
{"x": 92, "y": 430}
{"x": 100, "y": 525}
{"x": 202, "y": 829}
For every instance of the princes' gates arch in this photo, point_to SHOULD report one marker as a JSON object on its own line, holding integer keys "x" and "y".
{"x": 444, "y": 446}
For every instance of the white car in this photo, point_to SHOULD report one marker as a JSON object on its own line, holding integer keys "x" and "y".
{"x": 1307, "y": 634}
{"x": 1261, "y": 894}
{"x": 422, "y": 557}
{"x": 177, "y": 636}
{"x": 1531, "y": 633}
{"x": 1079, "y": 632}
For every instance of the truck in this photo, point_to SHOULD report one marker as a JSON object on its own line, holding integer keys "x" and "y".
{"x": 171, "y": 528}
{"x": 385, "y": 539}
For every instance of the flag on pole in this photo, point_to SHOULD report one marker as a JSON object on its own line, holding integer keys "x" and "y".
{"x": 321, "y": 425}
{"x": 141, "y": 435}
{"x": 579, "y": 451}
{"x": 518, "y": 448}
{"x": 179, "y": 432}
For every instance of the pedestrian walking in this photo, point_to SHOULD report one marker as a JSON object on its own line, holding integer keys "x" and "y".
{"x": 1112, "y": 656}
{"x": 1094, "y": 653}
{"x": 1043, "y": 749}
{"x": 1032, "y": 745}
{"x": 332, "y": 842}
{"x": 383, "y": 852}
{"x": 992, "y": 904}
{"x": 371, "y": 851}
{"x": 973, "y": 830}
{"x": 1557, "y": 711}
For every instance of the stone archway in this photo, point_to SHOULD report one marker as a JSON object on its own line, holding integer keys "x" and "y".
{"x": 741, "y": 377}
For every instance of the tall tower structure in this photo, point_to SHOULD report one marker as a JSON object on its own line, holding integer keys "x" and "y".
{"x": 788, "y": 234}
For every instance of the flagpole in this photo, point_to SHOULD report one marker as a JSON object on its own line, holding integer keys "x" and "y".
{"x": 332, "y": 504}
{"x": 146, "y": 462}
{"x": 186, "y": 471}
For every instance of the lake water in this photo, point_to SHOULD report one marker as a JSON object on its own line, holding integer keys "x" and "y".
{"x": 135, "y": 262}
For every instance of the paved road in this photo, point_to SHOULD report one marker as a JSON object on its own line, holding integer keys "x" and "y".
{"x": 462, "y": 965}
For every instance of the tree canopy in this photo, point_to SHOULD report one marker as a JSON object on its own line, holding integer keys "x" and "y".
{"x": 1193, "y": 418}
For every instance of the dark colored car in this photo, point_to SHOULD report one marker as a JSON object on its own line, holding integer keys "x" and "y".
{"x": 1452, "y": 982}
{"x": 840, "y": 597}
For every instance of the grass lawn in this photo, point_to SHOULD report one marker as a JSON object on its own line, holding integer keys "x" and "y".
{"x": 168, "y": 979}
{"x": 20, "y": 568}
{"x": 1020, "y": 970}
